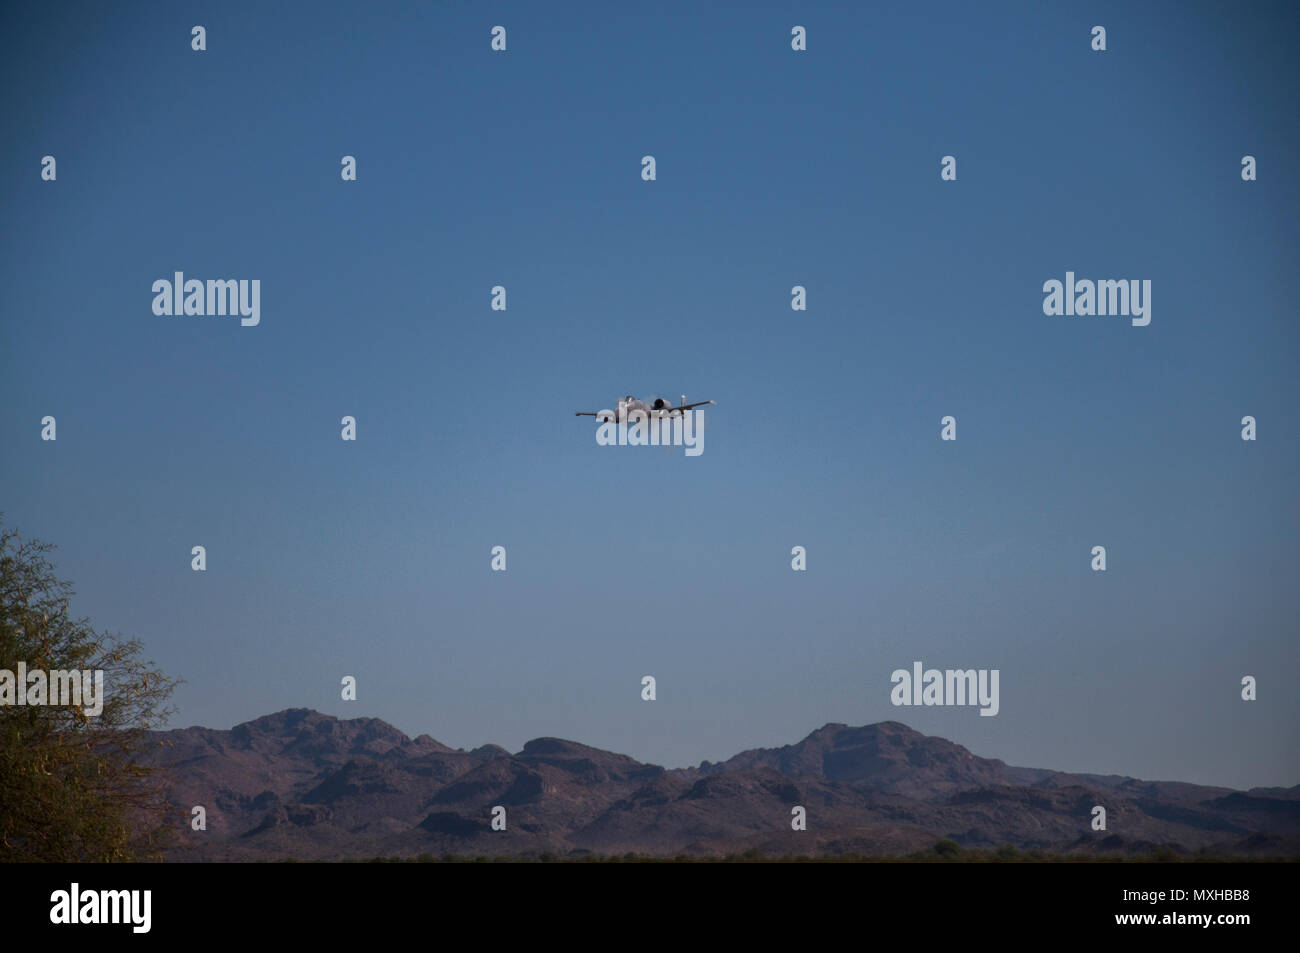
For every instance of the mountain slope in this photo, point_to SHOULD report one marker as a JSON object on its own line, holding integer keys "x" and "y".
{"x": 305, "y": 785}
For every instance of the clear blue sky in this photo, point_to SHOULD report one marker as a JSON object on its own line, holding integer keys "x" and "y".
{"x": 775, "y": 168}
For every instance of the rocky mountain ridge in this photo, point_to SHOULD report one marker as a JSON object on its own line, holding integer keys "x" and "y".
{"x": 300, "y": 784}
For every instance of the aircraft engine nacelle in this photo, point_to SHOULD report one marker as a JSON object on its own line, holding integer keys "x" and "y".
{"x": 661, "y": 404}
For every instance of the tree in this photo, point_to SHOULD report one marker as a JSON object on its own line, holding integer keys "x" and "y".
{"x": 947, "y": 848}
{"x": 74, "y": 786}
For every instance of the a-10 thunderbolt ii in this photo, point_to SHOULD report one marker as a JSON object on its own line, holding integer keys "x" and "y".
{"x": 629, "y": 405}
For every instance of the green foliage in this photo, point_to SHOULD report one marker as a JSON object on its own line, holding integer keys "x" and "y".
{"x": 75, "y": 787}
{"x": 947, "y": 848}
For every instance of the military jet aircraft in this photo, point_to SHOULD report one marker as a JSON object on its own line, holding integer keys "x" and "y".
{"x": 658, "y": 407}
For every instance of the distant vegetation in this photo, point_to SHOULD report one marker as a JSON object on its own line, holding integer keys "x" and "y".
{"x": 945, "y": 851}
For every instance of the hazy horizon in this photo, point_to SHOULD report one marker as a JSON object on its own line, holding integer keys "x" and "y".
{"x": 775, "y": 168}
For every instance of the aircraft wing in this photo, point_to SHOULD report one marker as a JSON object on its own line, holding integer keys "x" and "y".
{"x": 698, "y": 403}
